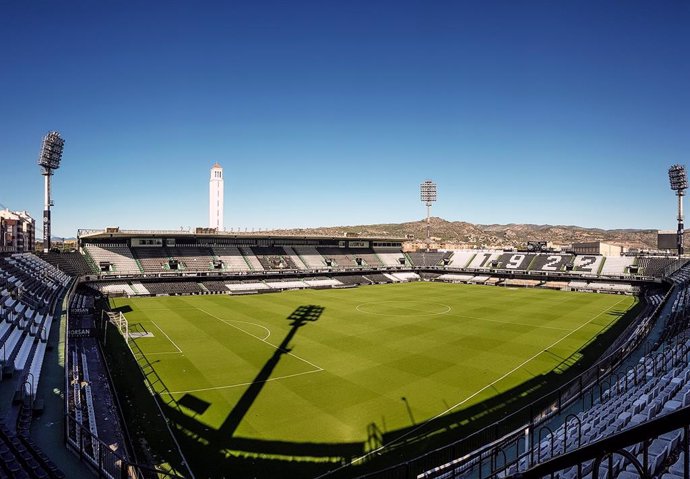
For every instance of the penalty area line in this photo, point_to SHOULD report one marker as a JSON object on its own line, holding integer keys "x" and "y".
{"x": 263, "y": 340}
{"x": 243, "y": 384}
{"x": 164, "y": 334}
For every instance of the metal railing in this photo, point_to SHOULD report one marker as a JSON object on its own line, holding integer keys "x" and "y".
{"x": 589, "y": 458}
{"x": 105, "y": 461}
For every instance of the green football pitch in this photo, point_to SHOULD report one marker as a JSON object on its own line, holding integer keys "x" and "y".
{"x": 321, "y": 366}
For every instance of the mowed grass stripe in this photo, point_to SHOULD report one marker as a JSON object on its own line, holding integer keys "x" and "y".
{"x": 225, "y": 352}
{"x": 370, "y": 361}
{"x": 490, "y": 385}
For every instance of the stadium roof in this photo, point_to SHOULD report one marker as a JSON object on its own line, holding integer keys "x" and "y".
{"x": 109, "y": 233}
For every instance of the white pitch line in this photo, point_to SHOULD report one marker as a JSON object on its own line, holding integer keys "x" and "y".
{"x": 268, "y": 331}
{"x": 242, "y": 384}
{"x": 397, "y": 440}
{"x": 173, "y": 342}
{"x": 261, "y": 339}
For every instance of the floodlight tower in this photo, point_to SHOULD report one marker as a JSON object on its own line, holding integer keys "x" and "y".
{"x": 679, "y": 183}
{"x": 51, "y": 154}
{"x": 428, "y": 195}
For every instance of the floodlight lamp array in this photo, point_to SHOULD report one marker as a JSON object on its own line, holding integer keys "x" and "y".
{"x": 428, "y": 191}
{"x": 51, "y": 151}
{"x": 678, "y": 178}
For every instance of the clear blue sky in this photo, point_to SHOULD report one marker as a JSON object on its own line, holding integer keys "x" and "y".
{"x": 329, "y": 113}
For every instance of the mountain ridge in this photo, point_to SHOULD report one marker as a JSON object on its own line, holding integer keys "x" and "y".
{"x": 490, "y": 235}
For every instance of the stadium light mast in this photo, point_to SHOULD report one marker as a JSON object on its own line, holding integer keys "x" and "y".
{"x": 428, "y": 195}
{"x": 49, "y": 160}
{"x": 679, "y": 183}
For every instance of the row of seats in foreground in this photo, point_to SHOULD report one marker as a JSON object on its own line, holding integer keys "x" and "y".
{"x": 656, "y": 385}
{"x": 30, "y": 292}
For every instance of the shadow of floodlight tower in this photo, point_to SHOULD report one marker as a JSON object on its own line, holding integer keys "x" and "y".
{"x": 428, "y": 196}
{"x": 298, "y": 318}
{"x": 678, "y": 178}
{"x": 49, "y": 160}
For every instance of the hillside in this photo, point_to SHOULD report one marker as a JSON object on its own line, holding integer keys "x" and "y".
{"x": 462, "y": 233}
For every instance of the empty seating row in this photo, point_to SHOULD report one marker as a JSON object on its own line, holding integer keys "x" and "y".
{"x": 21, "y": 458}
{"x": 548, "y": 263}
{"x": 272, "y": 258}
{"x": 231, "y": 257}
{"x": 192, "y": 258}
{"x": 30, "y": 292}
{"x": 152, "y": 259}
{"x": 588, "y": 264}
{"x": 428, "y": 259}
{"x": 245, "y": 287}
{"x": 657, "y": 385}
{"x": 322, "y": 282}
{"x": 461, "y": 258}
{"x": 339, "y": 257}
{"x": 112, "y": 258}
{"x": 391, "y": 258}
{"x": 310, "y": 256}
{"x": 617, "y": 265}
{"x": 72, "y": 263}
{"x": 402, "y": 277}
{"x": 287, "y": 284}
{"x": 649, "y": 266}
{"x": 294, "y": 257}
{"x": 352, "y": 279}
{"x": 173, "y": 287}
{"x": 379, "y": 278}
{"x": 368, "y": 258}
{"x": 485, "y": 259}
{"x": 251, "y": 259}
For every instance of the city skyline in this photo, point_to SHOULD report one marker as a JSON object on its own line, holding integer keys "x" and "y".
{"x": 329, "y": 114}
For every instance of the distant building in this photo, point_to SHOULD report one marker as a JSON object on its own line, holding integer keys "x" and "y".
{"x": 597, "y": 247}
{"x": 215, "y": 207}
{"x": 17, "y": 232}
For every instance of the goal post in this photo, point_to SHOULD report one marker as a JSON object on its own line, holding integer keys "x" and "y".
{"x": 120, "y": 322}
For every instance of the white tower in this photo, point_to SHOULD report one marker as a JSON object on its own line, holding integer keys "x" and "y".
{"x": 215, "y": 205}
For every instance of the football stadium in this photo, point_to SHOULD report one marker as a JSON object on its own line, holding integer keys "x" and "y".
{"x": 261, "y": 341}
{"x": 209, "y": 353}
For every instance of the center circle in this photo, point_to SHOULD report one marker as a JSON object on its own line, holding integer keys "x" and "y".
{"x": 403, "y": 308}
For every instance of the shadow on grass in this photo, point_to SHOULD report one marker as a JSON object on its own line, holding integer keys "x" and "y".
{"x": 194, "y": 404}
{"x": 151, "y": 441}
{"x": 299, "y": 317}
{"x": 122, "y": 309}
{"x": 220, "y": 453}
